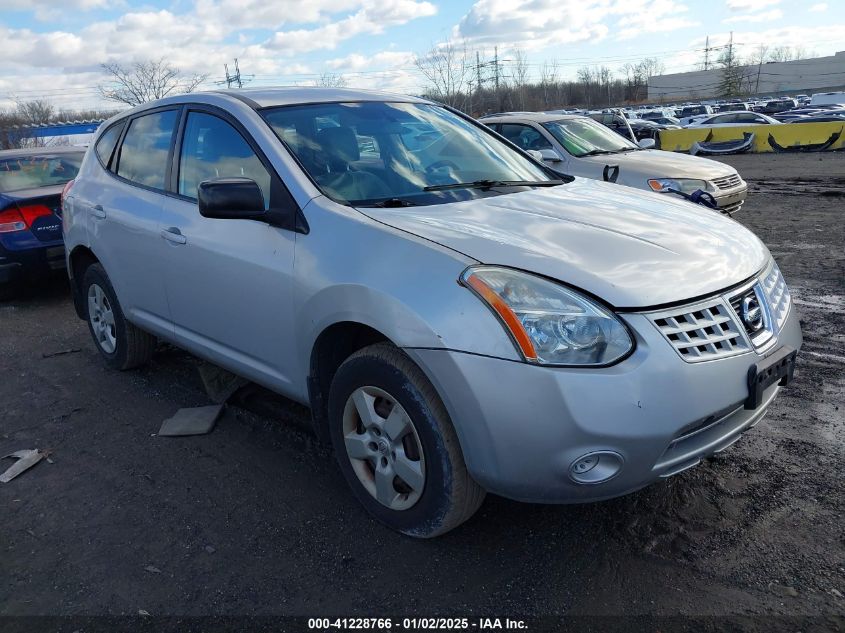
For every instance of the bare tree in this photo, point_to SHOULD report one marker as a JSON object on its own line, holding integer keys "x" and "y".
{"x": 35, "y": 112}
{"x": 16, "y": 125}
{"x": 447, "y": 70}
{"x": 548, "y": 83}
{"x": 331, "y": 80}
{"x": 145, "y": 81}
{"x": 520, "y": 75}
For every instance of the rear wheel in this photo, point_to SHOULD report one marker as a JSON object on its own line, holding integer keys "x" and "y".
{"x": 396, "y": 446}
{"x": 9, "y": 290}
{"x": 121, "y": 344}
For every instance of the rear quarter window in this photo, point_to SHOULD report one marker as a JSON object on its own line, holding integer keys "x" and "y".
{"x": 107, "y": 142}
{"x": 143, "y": 153}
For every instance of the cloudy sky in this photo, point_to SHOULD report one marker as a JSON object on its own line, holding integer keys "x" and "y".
{"x": 52, "y": 49}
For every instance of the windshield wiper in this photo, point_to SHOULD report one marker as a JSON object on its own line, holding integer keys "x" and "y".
{"x": 487, "y": 184}
{"x": 596, "y": 152}
{"x": 390, "y": 203}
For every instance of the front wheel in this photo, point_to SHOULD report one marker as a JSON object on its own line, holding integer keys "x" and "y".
{"x": 397, "y": 447}
{"x": 121, "y": 344}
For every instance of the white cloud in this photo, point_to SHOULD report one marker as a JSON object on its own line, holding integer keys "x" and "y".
{"x": 51, "y": 10}
{"x": 373, "y": 18}
{"x": 818, "y": 8}
{"x": 49, "y": 5}
{"x": 643, "y": 21}
{"x": 356, "y": 62}
{"x": 766, "y": 16}
{"x": 536, "y": 24}
{"x": 197, "y": 40}
{"x": 750, "y": 5}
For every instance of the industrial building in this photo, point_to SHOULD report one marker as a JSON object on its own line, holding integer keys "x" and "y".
{"x": 802, "y": 76}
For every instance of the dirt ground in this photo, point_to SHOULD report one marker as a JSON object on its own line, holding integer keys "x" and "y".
{"x": 255, "y": 519}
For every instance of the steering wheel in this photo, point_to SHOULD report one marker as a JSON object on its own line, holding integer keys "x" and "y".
{"x": 440, "y": 164}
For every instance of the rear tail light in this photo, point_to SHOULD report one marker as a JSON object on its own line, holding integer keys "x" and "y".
{"x": 20, "y": 219}
{"x": 11, "y": 220}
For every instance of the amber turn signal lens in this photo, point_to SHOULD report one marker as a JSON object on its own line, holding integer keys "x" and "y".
{"x": 507, "y": 316}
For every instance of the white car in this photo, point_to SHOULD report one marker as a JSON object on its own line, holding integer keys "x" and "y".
{"x": 579, "y": 146}
{"x": 730, "y": 119}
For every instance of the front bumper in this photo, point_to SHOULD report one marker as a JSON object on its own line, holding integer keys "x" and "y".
{"x": 522, "y": 427}
{"x": 731, "y": 201}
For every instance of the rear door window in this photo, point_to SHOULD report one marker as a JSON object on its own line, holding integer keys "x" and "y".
{"x": 144, "y": 151}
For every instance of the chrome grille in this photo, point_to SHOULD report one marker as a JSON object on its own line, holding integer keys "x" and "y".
{"x": 702, "y": 332}
{"x": 727, "y": 182}
{"x": 715, "y": 328}
{"x": 777, "y": 294}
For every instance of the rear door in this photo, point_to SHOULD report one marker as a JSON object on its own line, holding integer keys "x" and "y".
{"x": 124, "y": 202}
{"x": 229, "y": 282}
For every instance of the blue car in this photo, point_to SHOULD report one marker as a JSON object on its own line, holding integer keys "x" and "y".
{"x": 31, "y": 183}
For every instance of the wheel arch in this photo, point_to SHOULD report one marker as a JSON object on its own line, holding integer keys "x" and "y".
{"x": 80, "y": 258}
{"x": 333, "y": 345}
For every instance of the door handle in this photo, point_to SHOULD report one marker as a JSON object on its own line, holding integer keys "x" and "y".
{"x": 174, "y": 235}
{"x": 99, "y": 212}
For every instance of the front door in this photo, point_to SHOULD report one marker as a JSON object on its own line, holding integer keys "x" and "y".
{"x": 228, "y": 282}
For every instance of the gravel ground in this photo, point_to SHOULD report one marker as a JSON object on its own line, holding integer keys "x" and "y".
{"x": 255, "y": 518}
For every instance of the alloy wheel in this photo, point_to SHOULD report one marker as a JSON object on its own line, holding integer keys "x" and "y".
{"x": 384, "y": 448}
{"x": 101, "y": 316}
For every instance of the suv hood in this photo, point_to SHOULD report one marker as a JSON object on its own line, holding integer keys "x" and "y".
{"x": 653, "y": 163}
{"x": 632, "y": 248}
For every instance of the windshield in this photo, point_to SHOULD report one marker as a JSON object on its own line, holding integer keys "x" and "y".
{"x": 583, "y": 137}
{"x": 42, "y": 170}
{"x": 370, "y": 152}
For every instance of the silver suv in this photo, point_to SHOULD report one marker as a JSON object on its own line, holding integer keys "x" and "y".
{"x": 459, "y": 318}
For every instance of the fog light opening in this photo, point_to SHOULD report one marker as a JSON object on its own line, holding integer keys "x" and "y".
{"x": 595, "y": 468}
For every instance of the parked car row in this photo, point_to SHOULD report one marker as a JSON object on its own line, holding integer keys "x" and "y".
{"x": 416, "y": 277}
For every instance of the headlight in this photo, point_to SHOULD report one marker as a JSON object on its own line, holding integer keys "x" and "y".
{"x": 549, "y": 323}
{"x": 684, "y": 185}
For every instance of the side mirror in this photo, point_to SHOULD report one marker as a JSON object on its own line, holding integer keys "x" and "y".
{"x": 550, "y": 155}
{"x": 535, "y": 154}
{"x": 646, "y": 143}
{"x": 231, "y": 198}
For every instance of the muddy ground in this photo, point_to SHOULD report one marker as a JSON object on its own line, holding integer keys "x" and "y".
{"x": 256, "y": 519}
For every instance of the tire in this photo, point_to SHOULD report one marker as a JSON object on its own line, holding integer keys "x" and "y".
{"x": 121, "y": 344}
{"x": 10, "y": 290}
{"x": 378, "y": 378}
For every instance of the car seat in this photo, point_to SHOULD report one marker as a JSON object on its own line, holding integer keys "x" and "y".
{"x": 339, "y": 150}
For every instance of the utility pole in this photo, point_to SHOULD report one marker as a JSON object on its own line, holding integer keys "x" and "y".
{"x": 731, "y": 47}
{"x": 234, "y": 78}
{"x": 496, "y": 66}
{"x": 707, "y": 53}
{"x": 478, "y": 82}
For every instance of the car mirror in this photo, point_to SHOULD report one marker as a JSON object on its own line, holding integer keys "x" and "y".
{"x": 646, "y": 143}
{"x": 231, "y": 198}
{"x": 550, "y": 155}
